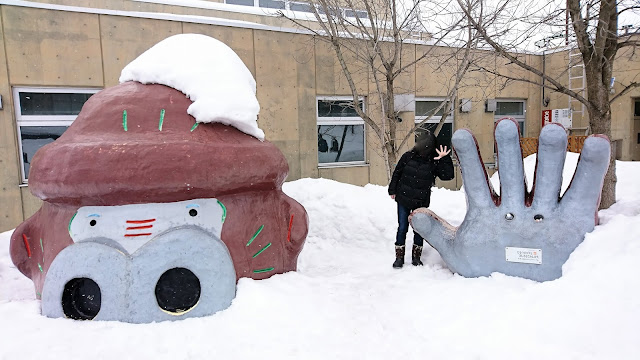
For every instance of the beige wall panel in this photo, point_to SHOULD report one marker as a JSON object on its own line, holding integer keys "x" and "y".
{"x": 307, "y": 124}
{"x": 10, "y": 198}
{"x": 435, "y": 74}
{"x": 46, "y": 47}
{"x": 330, "y": 78}
{"x": 277, "y": 78}
{"x": 125, "y": 38}
{"x": 238, "y": 39}
{"x": 513, "y": 89}
{"x": 30, "y": 203}
{"x": 356, "y": 175}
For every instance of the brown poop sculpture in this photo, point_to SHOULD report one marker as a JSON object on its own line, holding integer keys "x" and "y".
{"x": 136, "y": 144}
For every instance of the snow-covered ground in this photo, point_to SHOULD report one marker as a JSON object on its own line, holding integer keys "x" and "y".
{"x": 346, "y": 302}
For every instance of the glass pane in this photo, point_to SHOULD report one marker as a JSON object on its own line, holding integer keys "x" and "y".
{"x": 35, "y": 137}
{"x": 521, "y": 125}
{"x": 240, "y": 2}
{"x": 426, "y": 108}
{"x": 334, "y": 11}
{"x": 359, "y": 13}
{"x": 272, "y": 4}
{"x": 510, "y": 108}
{"x": 337, "y": 108}
{"x": 443, "y": 138}
{"x": 636, "y": 110}
{"x": 35, "y": 103}
{"x": 300, "y": 7}
{"x": 340, "y": 143}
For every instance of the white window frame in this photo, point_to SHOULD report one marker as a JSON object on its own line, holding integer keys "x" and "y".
{"x": 342, "y": 120}
{"x": 41, "y": 120}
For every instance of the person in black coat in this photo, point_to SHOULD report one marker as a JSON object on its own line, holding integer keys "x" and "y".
{"x": 410, "y": 187}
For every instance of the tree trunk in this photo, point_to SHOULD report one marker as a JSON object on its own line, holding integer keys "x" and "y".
{"x": 600, "y": 123}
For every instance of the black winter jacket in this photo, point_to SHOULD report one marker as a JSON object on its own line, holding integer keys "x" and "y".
{"x": 415, "y": 175}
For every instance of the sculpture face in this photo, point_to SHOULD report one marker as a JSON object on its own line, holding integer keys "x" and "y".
{"x": 150, "y": 216}
{"x": 529, "y": 235}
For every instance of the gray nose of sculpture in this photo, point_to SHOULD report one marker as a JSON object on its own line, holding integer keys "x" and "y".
{"x": 184, "y": 272}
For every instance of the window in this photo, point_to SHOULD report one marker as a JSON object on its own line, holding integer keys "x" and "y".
{"x": 356, "y": 13}
{"x": 511, "y": 108}
{"x": 636, "y": 108}
{"x": 43, "y": 114}
{"x": 426, "y": 107}
{"x": 341, "y": 139}
{"x": 272, "y": 4}
{"x": 301, "y": 6}
{"x": 241, "y": 2}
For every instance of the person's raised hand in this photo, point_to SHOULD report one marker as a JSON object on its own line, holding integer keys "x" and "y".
{"x": 442, "y": 152}
{"x": 519, "y": 233}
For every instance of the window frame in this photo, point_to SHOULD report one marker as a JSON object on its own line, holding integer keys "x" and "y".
{"x": 41, "y": 120}
{"x": 342, "y": 120}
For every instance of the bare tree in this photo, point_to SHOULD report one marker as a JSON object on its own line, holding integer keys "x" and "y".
{"x": 506, "y": 25}
{"x": 373, "y": 37}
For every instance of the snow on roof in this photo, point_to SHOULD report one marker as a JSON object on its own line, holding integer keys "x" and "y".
{"x": 209, "y": 72}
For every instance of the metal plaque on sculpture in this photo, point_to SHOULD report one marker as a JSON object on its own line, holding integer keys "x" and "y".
{"x": 523, "y": 255}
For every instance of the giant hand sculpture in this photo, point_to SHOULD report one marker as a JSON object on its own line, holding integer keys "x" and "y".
{"x": 519, "y": 233}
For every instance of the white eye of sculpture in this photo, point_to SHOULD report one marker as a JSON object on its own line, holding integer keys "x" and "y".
{"x": 509, "y": 216}
{"x": 538, "y": 218}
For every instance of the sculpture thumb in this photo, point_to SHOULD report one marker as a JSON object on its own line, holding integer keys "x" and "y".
{"x": 436, "y": 231}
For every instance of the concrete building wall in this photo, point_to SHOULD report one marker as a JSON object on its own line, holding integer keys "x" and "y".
{"x": 88, "y": 49}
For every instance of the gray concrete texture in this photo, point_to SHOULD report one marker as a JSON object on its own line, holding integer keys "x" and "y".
{"x": 128, "y": 281}
{"x": 540, "y": 221}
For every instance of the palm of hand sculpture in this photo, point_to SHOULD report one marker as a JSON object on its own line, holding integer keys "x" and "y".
{"x": 519, "y": 233}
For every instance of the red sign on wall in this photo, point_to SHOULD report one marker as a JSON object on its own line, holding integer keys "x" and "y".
{"x": 546, "y": 117}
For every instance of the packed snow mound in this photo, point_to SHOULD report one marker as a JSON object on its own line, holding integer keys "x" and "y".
{"x": 345, "y": 301}
{"x": 209, "y": 72}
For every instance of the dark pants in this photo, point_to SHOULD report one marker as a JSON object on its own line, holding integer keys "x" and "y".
{"x": 403, "y": 227}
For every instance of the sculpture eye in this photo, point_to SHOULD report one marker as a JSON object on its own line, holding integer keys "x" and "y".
{"x": 509, "y": 216}
{"x": 193, "y": 212}
{"x": 93, "y": 223}
{"x": 538, "y": 218}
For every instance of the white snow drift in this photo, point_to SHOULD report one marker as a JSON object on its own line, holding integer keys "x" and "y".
{"x": 346, "y": 302}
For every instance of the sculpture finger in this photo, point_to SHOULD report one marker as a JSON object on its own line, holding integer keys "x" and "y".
{"x": 436, "y": 231}
{"x": 474, "y": 176}
{"x": 583, "y": 194}
{"x": 552, "y": 150}
{"x": 510, "y": 168}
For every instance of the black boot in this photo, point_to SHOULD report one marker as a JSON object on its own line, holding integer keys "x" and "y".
{"x": 399, "y": 257}
{"x": 415, "y": 255}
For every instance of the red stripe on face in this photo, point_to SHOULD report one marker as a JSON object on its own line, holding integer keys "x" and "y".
{"x": 140, "y": 221}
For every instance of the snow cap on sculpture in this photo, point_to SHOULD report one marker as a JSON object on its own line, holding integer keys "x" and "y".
{"x": 210, "y": 73}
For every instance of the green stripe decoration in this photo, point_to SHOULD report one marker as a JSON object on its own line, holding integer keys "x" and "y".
{"x": 194, "y": 126}
{"x": 124, "y": 120}
{"x": 38, "y": 294}
{"x": 73, "y": 217}
{"x": 161, "y": 119}
{"x": 263, "y": 270}
{"x": 255, "y": 235}
{"x": 41, "y": 247}
{"x": 40, "y": 267}
{"x": 224, "y": 210}
{"x": 261, "y": 250}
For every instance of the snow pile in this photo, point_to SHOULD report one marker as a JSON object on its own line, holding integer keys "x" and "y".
{"x": 346, "y": 302}
{"x": 206, "y": 70}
